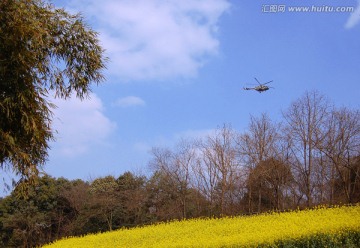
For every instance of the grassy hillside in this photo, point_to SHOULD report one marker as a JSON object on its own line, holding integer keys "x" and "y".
{"x": 321, "y": 227}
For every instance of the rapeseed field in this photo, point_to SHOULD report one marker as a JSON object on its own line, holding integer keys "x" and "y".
{"x": 319, "y": 227}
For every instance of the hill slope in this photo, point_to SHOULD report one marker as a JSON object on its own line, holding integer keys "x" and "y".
{"x": 339, "y": 226}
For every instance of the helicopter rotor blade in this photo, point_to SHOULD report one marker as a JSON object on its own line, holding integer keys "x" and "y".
{"x": 268, "y": 82}
{"x": 257, "y": 81}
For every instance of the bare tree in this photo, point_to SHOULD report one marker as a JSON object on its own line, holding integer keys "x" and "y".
{"x": 271, "y": 177}
{"x": 206, "y": 176}
{"x": 305, "y": 120}
{"x": 323, "y": 178}
{"x": 342, "y": 147}
{"x": 257, "y": 144}
{"x": 220, "y": 167}
{"x": 176, "y": 165}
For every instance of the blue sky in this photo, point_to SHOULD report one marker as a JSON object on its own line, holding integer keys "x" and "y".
{"x": 177, "y": 69}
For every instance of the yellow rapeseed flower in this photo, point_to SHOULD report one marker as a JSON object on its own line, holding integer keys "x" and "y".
{"x": 244, "y": 231}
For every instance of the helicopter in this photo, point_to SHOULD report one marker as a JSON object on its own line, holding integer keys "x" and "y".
{"x": 261, "y": 87}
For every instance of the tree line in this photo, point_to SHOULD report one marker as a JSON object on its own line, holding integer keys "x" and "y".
{"x": 311, "y": 157}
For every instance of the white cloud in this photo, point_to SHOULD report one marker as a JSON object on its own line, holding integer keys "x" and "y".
{"x": 155, "y": 39}
{"x": 79, "y": 125}
{"x": 129, "y": 101}
{"x": 354, "y": 18}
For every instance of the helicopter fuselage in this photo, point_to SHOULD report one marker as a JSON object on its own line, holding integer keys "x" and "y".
{"x": 260, "y": 88}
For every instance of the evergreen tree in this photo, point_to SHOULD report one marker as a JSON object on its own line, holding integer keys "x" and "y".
{"x": 42, "y": 50}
